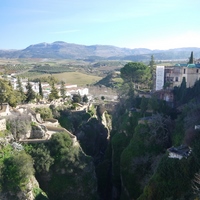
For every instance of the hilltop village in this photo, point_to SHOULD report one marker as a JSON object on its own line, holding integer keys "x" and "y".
{"x": 48, "y": 126}
{"x": 67, "y": 142}
{"x": 46, "y": 87}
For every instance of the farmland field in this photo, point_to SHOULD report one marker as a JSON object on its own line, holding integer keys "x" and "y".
{"x": 77, "y": 72}
{"x": 77, "y": 78}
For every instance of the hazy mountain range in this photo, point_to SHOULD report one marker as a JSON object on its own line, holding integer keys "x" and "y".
{"x": 63, "y": 50}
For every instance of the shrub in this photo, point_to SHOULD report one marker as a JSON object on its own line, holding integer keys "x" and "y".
{"x": 44, "y": 112}
{"x": 41, "y": 157}
{"x": 16, "y": 171}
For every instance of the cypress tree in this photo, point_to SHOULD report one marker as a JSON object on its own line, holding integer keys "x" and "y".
{"x": 191, "y": 60}
{"x": 152, "y": 62}
{"x": 40, "y": 90}
{"x": 153, "y": 72}
{"x": 54, "y": 93}
{"x": 183, "y": 90}
{"x": 20, "y": 90}
{"x": 62, "y": 89}
{"x": 30, "y": 94}
{"x": 85, "y": 98}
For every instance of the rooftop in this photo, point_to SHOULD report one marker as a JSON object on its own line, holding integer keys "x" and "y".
{"x": 179, "y": 152}
{"x": 188, "y": 65}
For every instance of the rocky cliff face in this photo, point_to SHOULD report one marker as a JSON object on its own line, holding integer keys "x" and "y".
{"x": 94, "y": 135}
{"x": 17, "y": 180}
{"x": 59, "y": 166}
{"x": 71, "y": 175}
{"x": 31, "y": 191}
{"x": 38, "y": 131}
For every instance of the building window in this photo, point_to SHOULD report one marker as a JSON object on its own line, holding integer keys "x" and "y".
{"x": 197, "y": 70}
{"x": 176, "y": 79}
{"x": 169, "y": 79}
{"x": 184, "y": 71}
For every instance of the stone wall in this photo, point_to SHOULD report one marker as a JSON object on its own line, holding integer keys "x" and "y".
{"x": 60, "y": 129}
{"x": 2, "y": 124}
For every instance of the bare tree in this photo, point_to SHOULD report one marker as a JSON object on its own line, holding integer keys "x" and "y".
{"x": 19, "y": 125}
{"x": 196, "y": 184}
{"x": 161, "y": 128}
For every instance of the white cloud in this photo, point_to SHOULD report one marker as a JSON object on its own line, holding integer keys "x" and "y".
{"x": 187, "y": 39}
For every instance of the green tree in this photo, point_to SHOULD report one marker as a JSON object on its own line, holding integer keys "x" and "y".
{"x": 51, "y": 80}
{"x": 19, "y": 84}
{"x": 102, "y": 98}
{"x": 62, "y": 89}
{"x": 44, "y": 112}
{"x": 54, "y": 93}
{"x": 41, "y": 157}
{"x": 85, "y": 98}
{"x": 180, "y": 92}
{"x": 40, "y": 90}
{"x": 8, "y": 94}
{"x": 76, "y": 98}
{"x": 153, "y": 104}
{"x": 14, "y": 97}
{"x": 137, "y": 76}
{"x": 134, "y": 72}
{"x": 152, "y": 62}
{"x": 30, "y": 94}
{"x": 153, "y": 72}
{"x": 191, "y": 59}
{"x": 183, "y": 85}
{"x": 17, "y": 170}
{"x": 60, "y": 145}
{"x": 5, "y": 90}
{"x": 71, "y": 169}
{"x": 131, "y": 94}
{"x": 144, "y": 105}
{"x": 20, "y": 90}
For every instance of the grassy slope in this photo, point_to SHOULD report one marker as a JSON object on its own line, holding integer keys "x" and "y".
{"x": 77, "y": 78}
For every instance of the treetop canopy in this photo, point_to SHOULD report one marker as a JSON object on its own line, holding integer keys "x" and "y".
{"x": 134, "y": 71}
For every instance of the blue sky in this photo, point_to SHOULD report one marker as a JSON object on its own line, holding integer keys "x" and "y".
{"x": 153, "y": 24}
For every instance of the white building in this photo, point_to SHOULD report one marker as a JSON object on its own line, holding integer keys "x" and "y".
{"x": 160, "y": 71}
{"x": 83, "y": 91}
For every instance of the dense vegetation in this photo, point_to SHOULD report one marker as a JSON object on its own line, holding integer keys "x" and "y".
{"x": 8, "y": 94}
{"x": 16, "y": 173}
{"x": 70, "y": 170}
{"x": 129, "y": 162}
{"x": 60, "y": 166}
{"x": 141, "y": 168}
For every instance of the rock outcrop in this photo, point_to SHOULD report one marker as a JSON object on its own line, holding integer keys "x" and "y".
{"x": 31, "y": 191}
{"x": 38, "y": 132}
{"x": 93, "y": 137}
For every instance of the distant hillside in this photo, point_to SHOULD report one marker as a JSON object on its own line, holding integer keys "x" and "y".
{"x": 112, "y": 80}
{"x": 63, "y": 50}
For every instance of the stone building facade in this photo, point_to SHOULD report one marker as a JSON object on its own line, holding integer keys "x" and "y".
{"x": 167, "y": 77}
